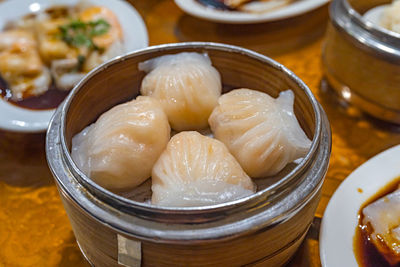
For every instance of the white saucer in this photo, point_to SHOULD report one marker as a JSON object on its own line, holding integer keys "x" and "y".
{"x": 198, "y": 10}
{"x": 340, "y": 219}
{"x": 18, "y": 119}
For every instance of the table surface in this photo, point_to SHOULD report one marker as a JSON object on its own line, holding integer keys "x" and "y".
{"x": 34, "y": 229}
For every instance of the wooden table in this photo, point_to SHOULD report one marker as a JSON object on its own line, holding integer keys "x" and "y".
{"x": 34, "y": 229}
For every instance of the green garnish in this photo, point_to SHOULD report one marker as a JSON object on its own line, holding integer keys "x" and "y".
{"x": 99, "y": 27}
{"x": 81, "y": 61}
{"x": 78, "y": 33}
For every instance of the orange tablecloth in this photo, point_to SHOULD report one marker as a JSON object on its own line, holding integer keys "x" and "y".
{"x": 34, "y": 229}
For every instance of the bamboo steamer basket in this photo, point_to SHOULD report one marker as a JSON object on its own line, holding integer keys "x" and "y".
{"x": 362, "y": 61}
{"x": 263, "y": 229}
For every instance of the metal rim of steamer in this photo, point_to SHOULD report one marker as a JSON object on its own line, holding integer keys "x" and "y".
{"x": 375, "y": 41}
{"x": 69, "y": 177}
{"x": 363, "y": 33}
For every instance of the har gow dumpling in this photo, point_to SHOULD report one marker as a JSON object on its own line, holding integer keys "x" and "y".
{"x": 390, "y": 18}
{"x": 383, "y": 216}
{"x": 120, "y": 149}
{"x": 197, "y": 170}
{"x": 186, "y": 84}
{"x": 260, "y": 131}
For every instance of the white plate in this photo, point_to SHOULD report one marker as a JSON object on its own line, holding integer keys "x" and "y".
{"x": 135, "y": 37}
{"x": 340, "y": 219}
{"x": 198, "y": 10}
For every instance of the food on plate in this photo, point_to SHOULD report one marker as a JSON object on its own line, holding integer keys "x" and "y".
{"x": 94, "y": 37}
{"x": 234, "y": 3}
{"x": 60, "y": 44}
{"x": 260, "y": 131}
{"x": 21, "y": 66}
{"x": 390, "y": 18}
{"x": 119, "y": 150}
{"x": 250, "y": 6}
{"x": 379, "y": 228}
{"x": 186, "y": 84}
{"x": 197, "y": 170}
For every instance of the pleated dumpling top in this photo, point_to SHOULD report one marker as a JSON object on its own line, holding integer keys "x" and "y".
{"x": 186, "y": 84}
{"x": 119, "y": 150}
{"x": 260, "y": 131}
{"x": 197, "y": 170}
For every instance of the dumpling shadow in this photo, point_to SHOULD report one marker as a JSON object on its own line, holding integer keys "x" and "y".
{"x": 263, "y": 183}
{"x": 141, "y": 193}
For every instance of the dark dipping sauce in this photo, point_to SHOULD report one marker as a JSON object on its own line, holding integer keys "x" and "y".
{"x": 217, "y": 4}
{"x": 49, "y": 100}
{"x": 367, "y": 254}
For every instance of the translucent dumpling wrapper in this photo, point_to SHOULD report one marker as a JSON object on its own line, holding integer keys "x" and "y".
{"x": 197, "y": 170}
{"x": 186, "y": 84}
{"x": 390, "y": 18}
{"x": 120, "y": 149}
{"x": 260, "y": 131}
{"x": 383, "y": 216}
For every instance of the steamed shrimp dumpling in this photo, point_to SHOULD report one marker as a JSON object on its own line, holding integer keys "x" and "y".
{"x": 197, "y": 170}
{"x": 390, "y": 18}
{"x": 383, "y": 216}
{"x": 120, "y": 149}
{"x": 260, "y": 131}
{"x": 186, "y": 84}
